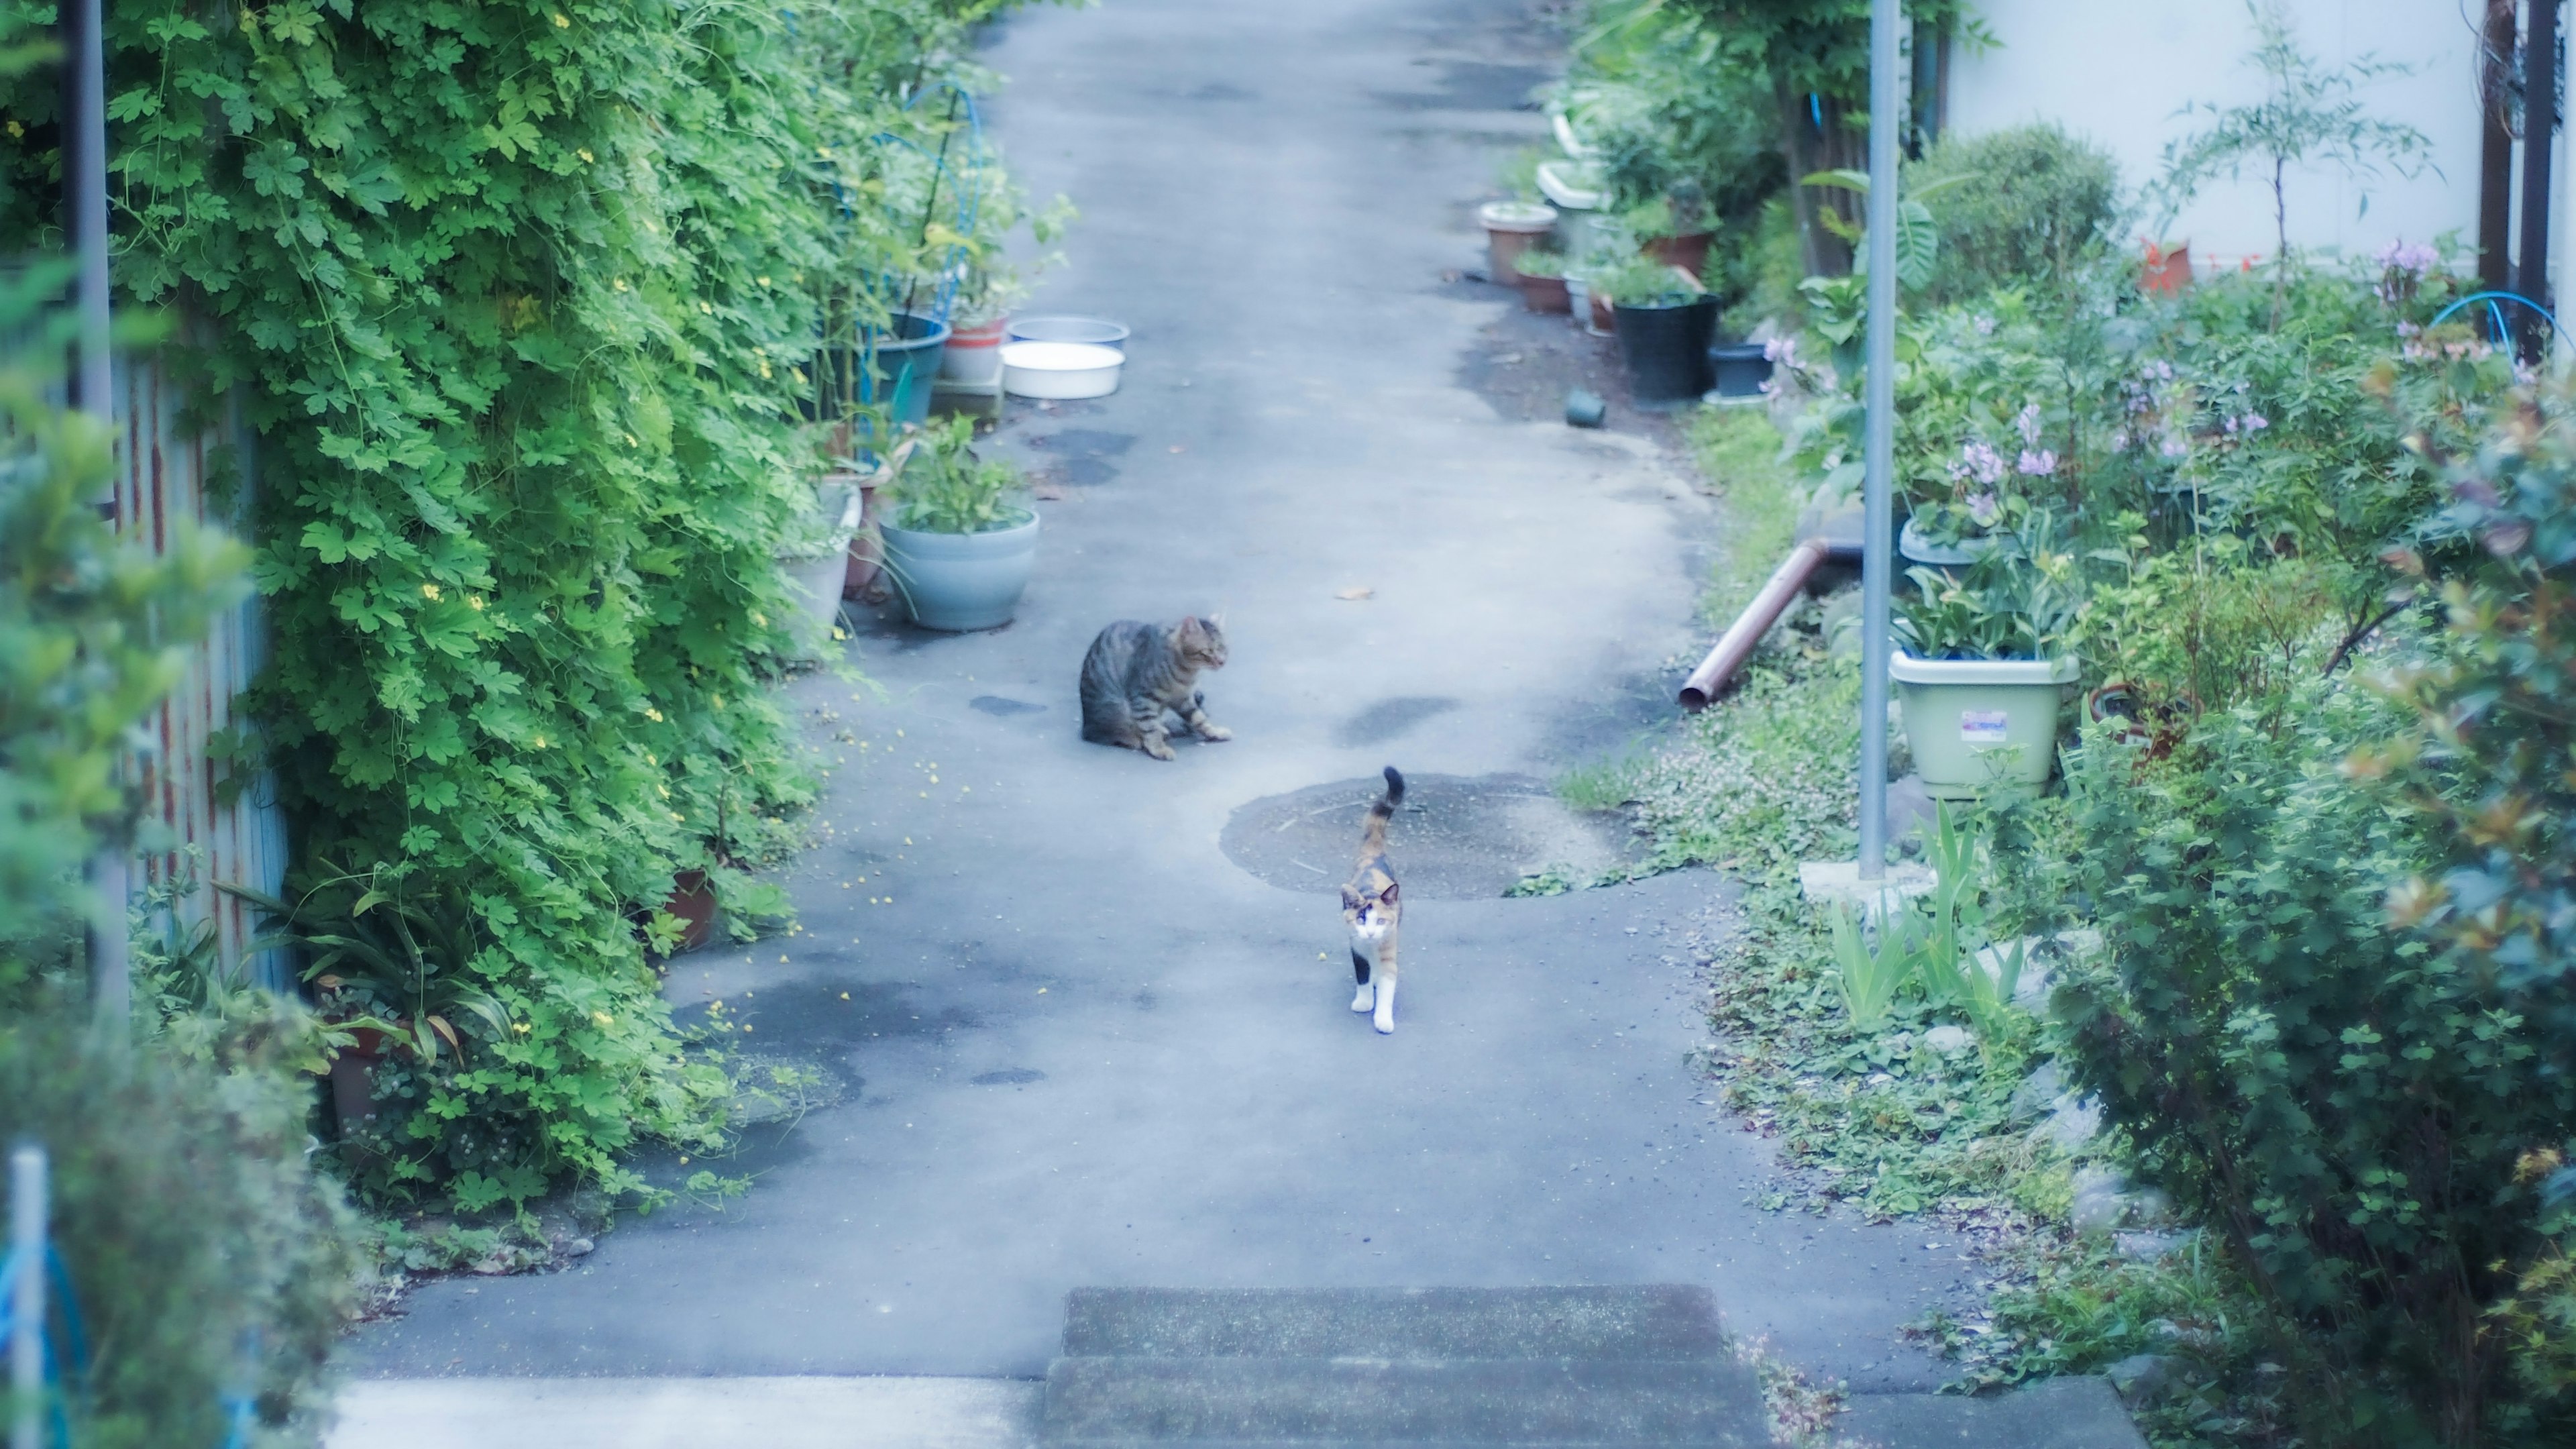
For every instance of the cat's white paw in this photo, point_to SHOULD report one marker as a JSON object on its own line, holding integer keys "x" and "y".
{"x": 1366, "y": 1000}
{"x": 1385, "y": 1022}
{"x": 1216, "y": 733}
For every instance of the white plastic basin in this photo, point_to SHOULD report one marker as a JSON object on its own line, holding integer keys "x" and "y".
{"x": 1060, "y": 369}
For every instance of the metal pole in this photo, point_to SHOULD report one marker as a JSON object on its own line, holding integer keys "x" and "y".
{"x": 27, "y": 1302}
{"x": 84, "y": 131}
{"x": 1886, "y": 115}
{"x": 2539, "y": 122}
{"x": 85, "y": 193}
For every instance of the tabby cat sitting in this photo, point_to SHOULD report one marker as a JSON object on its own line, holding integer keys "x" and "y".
{"x": 1135, "y": 674}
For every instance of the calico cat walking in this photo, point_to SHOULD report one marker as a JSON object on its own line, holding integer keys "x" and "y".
{"x": 1136, "y": 673}
{"x": 1371, "y": 909}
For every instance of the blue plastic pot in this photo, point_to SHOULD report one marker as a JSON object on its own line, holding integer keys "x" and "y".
{"x": 962, "y": 581}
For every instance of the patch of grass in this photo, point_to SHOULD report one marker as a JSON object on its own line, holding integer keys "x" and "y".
{"x": 1880, "y": 1119}
{"x": 1739, "y": 453}
{"x": 2072, "y": 1306}
{"x": 1763, "y": 778}
{"x": 1556, "y": 880}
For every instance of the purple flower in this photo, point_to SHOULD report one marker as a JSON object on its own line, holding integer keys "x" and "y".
{"x": 2120, "y": 441}
{"x": 1982, "y": 463}
{"x": 2402, "y": 256}
{"x": 2174, "y": 446}
{"x": 2039, "y": 464}
{"x": 2028, "y": 422}
{"x": 1983, "y": 508}
{"x": 1985, "y": 326}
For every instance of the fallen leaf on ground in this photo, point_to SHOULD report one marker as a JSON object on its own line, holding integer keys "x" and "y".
{"x": 1046, "y": 492}
{"x": 1357, "y": 594}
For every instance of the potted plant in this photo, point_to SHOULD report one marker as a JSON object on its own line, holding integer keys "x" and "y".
{"x": 958, "y": 541}
{"x": 1982, "y": 670}
{"x": 814, "y": 563}
{"x": 1511, "y": 228}
{"x": 393, "y": 965}
{"x": 1665, "y": 323}
{"x": 1672, "y": 230}
{"x": 1542, "y": 281}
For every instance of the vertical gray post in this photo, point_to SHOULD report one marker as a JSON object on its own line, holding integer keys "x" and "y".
{"x": 84, "y": 113}
{"x": 27, "y": 1302}
{"x": 1886, "y": 117}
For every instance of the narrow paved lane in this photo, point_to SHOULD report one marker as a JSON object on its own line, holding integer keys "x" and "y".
{"x": 1081, "y": 1045}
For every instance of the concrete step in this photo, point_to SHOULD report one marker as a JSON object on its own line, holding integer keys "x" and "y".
{"x": 1652, "y": 1321}
{"x": 2069, "y": 1413}
{"x": 1308, "y": 1401}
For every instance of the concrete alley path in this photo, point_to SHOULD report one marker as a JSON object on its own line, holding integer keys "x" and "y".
{"x": 1082, "y": 1045}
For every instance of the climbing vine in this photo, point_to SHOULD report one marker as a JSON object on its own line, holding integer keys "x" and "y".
{"x": 518, "y": 298}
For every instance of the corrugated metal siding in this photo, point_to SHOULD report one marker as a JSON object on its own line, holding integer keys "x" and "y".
{"x": 235, "y": 825}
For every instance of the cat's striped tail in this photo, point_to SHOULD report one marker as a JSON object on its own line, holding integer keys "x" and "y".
{"x": 1373, "y": 834}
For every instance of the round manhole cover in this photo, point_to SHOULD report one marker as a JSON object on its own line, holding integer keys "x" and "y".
{"x": 1457, "y": 837}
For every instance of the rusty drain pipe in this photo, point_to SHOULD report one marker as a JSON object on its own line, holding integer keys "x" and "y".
{"x": 1709, "y": 680}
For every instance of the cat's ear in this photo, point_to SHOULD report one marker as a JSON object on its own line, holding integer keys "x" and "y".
{"x": 1388, "y": 895}
{"x": 1350, "y": 899}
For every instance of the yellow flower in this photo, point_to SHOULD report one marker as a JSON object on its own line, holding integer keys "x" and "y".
{"x": 760, "y": 618}
{"x": 654, "y": 715}
{"x": 764, "y": 281}
{"x": 474, "y": 602}
{"x": 562, "y": 21}
{"x": 603, "y": 1018}
{"x": 619, "y": 284}
{"x": 584, "y": 154}
{"x": 520, "y": 1027}
{"x": 707, "y": 307}
{"x": 539, "y": 742}
{"x": 16, "y": 129}
{"x": 429, "y": 592}
{"x": 764, "y": 367}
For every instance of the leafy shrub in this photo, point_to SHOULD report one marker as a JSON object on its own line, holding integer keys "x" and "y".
{"x": 205, "y": 1252}
{"x": 520, "y": 299}
{"x": 2347, "y": 1105}
{"x": 2035, "y": 207}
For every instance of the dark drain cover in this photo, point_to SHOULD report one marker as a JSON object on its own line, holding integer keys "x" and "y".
{"x": 1457, "y": 838}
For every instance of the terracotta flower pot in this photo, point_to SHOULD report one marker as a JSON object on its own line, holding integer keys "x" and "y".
{"x": 353, "y": 1093}
{"x": 1511, "y": 228}
{"x": 1546, "y": 294}
{"x": 693, "y": 900}
{"x": 1690, "y": 253}
{"x": 2167, "y": 270}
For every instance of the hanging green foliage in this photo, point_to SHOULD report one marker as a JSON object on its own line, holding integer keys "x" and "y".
{"x": 519, "y": 298}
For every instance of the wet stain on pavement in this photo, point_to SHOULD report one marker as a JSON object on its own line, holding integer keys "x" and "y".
{"x": 1389, "y": 718}
{"x": 997, "y": 705}
{"x": 1012, "y": 1077}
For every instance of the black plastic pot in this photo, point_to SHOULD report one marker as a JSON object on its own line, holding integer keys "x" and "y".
{"x": 1666, "y": 349}
{"x": 1740, "y": 368}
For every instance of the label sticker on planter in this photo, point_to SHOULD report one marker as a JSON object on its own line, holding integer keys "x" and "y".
{"x": 1981, "y": 726}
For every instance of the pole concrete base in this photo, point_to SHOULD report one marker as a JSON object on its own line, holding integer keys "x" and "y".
{"x": 1838, "y": 882}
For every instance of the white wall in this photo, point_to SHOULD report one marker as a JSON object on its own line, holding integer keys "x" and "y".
{"x": 2118, "y": 72}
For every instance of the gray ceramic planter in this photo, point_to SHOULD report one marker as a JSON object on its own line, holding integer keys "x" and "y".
{"x": 961, "y": 581}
